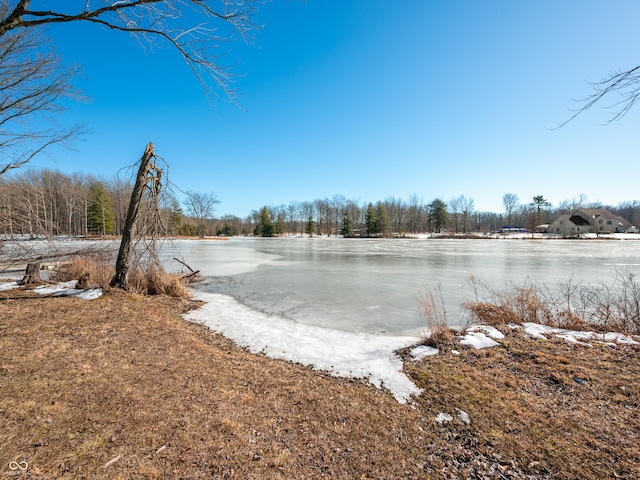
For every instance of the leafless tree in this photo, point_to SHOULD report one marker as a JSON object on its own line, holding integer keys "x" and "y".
{"x": 455, "y": 206}
{"x": 293, "y": 210}
{"x": 572, "y": 204}
{"x": 510, "y": 203}
{"x": 34, "y": 83}
{"x": 190, "y": 26}
{"x": 415, "y": 214}
{"x": 467, "y": 209}
{"x": 201, "y": 207}
{"x": 146, "y": 190}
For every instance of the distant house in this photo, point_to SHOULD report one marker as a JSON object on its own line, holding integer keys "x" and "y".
{"x": 588, "y": 220}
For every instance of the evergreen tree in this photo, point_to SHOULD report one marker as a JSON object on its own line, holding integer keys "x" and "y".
{"x": 311, "y": 226}
{"x": 371, "y": 221}
{"x": 265, "y": 226}
{"x": 279, "y": 227}
{"x": 437, "y": 211}
{"x": 347, "y": 225}
{"x": 538, "y": 205}
{"x": 100, "y": 216}
{"x": 539, "y": 202}
{"x": 175, "y": 217}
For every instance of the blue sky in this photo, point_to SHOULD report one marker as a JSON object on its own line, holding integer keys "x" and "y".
{"x": 371, "y": 99}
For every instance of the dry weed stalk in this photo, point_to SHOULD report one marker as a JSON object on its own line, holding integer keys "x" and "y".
{"x": 435, "y": 315}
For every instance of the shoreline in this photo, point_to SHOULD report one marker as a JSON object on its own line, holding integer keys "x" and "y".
{"x": 413, "y": 236}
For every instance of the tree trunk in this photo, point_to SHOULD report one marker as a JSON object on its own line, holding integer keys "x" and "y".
{"x": 32, "y": 275}
{"x": 124, "y": 254}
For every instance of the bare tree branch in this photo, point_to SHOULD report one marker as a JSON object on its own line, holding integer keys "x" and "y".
{"x": 34, "y": 83}
{"x": 163, "y": 19}
{"x": 626, "y": 84}
{"x": 49, "y": 139}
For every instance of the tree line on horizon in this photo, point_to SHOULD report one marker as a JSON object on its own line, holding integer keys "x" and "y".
{"x": 392, "y": 216}
{"x": 47, "y": 203}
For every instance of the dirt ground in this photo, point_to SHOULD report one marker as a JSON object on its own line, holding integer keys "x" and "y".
{"x": 123, "y": 387}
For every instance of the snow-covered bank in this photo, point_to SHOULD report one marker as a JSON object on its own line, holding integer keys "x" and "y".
{"x": 68, "y": 289}
{"x": 572, "y": 336}
{"x": 340, "y": 353}
{"x": 62, "y": 289}
{"x": 349, "y": 354}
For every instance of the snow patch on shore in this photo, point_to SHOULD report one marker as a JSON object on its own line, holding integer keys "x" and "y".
{"x": 8, "y": 285}
{"x": 481, "y": 336}
{"x": 574, "y": 336}
{"x": 344, "y": 354}
{"x": 422, "y": 351}
{"x": 62, "y": 289}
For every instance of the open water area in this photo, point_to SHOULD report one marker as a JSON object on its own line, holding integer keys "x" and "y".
{"x": 372, "y": 285}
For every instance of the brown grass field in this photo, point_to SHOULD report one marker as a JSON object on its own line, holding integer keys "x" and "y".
{"x": 122, "y": 387}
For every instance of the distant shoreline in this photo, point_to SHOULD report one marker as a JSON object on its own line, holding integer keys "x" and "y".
{"x": 417, "y": 236}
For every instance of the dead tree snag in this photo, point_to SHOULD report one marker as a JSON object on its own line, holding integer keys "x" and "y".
{"x": 146, "y": 173}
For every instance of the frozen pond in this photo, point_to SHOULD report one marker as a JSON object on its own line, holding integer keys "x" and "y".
{"x": 345, "y": 305}
{"x": 371, "y": 285}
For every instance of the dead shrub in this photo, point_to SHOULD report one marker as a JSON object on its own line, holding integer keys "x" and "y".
{"x": 160, "y": 282}
{"x": 611, "y": 306}
{"x": 156, "y": 281}
{"x": 522, "y": 304}
{"x": 491, "y": 314}
{"x": 152, "y": 281}
{"x": 570, "y": 321}
{"x": 530, "y": 305}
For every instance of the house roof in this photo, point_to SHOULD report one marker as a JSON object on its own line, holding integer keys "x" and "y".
{"x": 591, "y": 213}
{"x": 578, "y": 220}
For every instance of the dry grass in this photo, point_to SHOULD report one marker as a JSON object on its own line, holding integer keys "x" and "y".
{"x": 152, "y": 280}
{"x": 99, "y": 267}
{"x": 122, "y": 387}
{"x": 549, "y": 408}
{"x": 602, "y": 307}
{"x": 433, "y": 312}
{"x": 85, "y": 382}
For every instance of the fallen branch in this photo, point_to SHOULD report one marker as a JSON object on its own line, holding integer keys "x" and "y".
{"x": 182, "y": 263}
{"x": 190, "y": 275}
{"x": 51, "y": 256}
{"x": 193, "y": 272}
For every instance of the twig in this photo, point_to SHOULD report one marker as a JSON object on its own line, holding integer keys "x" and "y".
{"x": 112, "y": 461}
